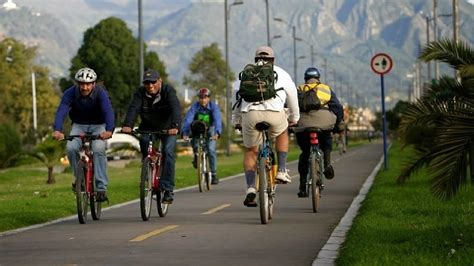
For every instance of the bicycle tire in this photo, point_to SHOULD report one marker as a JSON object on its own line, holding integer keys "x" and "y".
{"x": 96, "y": 207}
{"x": 314, "y": 175}
{"x": 81, "y": 194}
{"x": 208, "y": 175}
{"x": 162, "y": 207}
{"x": 200, "y": 172}
{"x": 262, "y": 191}
{"x": 146, "y": 189}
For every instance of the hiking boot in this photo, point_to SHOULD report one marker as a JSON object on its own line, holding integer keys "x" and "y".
{"x": 302, "y": 194}
{"x": 329, "y": 172}
{"x": 214, "y": 180}
{"x": 101, "y": 196}
{"x": 168, "y": 197}
{"x": 250, "y": 197}
{"x": 283, "y": 177}
{"x": 194, "y": 162}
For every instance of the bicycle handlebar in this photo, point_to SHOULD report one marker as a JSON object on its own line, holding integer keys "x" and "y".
{"x": 82, "y": 136}
{"x": 162, "y": 132}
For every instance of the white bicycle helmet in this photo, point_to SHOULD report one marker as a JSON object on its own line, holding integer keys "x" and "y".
{"x": 85, "y": 75}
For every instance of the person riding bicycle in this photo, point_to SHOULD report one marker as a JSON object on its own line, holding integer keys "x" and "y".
{"x": 90, "y": 111}
{"x": 209, "y": 113}
{"x": 328, "y": 116}
{"x": 272, "y": 111}
{"x": 159, "y": 109}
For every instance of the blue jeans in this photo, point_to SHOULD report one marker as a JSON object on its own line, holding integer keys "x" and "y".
{"x": 211, "y": 151}
{"x": 98, "y": 148}
{"x": 168, "y": 148}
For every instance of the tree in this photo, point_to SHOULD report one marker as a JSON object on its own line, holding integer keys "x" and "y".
{"x": 48, "y": 152}
{"x": 16, "y": 66}
{"x": 208, "y": 70}
{"x": 111, "y": 50}
{"x": 10, "y": 145}
{"x": 448, "y": 111}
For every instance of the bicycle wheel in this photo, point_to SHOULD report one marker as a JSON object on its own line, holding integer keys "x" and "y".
{"x": 81, "y": 194}
{"x": 315, "y": 180}
{"x": 271, "y": 198}
{"x": 262, "y": 191}
{"x": 201, "y": 172}
{"x": 162, "y": 207}
{"x": 207, "y": 175}
{"x": 146, "y": 189}
{"x": 96, "y": 207}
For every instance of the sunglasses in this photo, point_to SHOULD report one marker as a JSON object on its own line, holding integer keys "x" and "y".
{"x": 147, "y": 82}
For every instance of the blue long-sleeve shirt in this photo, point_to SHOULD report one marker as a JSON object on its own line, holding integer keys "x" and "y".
{"x": 211, "y": 108}
{"x": 93, "y": 109}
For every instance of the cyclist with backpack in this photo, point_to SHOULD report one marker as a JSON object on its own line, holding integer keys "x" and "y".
{"x": 261, "y": 95}
{"x": 208, "y": 112}
{"x": 319, "y": 107}
{"x": 90, "y": 110}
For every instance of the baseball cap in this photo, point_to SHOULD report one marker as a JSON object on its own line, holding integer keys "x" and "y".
{"x": 151, "y": 75}
{"x": 264, "y": 52}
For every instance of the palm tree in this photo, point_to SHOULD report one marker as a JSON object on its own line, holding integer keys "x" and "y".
{"x": 447, "y": 112}
{"x": 48, "y": 152}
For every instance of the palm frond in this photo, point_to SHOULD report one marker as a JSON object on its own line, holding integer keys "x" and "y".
{"x": 446, "y": 50}
{"x": 449, "y": 173}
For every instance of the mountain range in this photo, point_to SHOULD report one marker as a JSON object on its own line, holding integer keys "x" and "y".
{"x": 344, "y": 35}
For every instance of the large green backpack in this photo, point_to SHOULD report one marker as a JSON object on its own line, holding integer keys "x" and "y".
{"x": 257, "y": 82}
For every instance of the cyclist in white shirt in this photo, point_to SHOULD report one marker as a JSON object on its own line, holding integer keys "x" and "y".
{"x": 272, "y": 111}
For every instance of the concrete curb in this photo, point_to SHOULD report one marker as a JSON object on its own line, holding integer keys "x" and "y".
{"x": 330, "y": 251}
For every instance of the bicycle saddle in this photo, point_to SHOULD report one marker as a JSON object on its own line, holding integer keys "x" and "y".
{"x": 313, "y": 129}
{"x": 261, "y": 126}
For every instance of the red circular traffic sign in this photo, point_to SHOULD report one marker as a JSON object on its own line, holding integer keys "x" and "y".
{"x": 381, "y": 63}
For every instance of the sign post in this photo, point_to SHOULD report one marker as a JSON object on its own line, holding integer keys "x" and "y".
{"x": 382, "y": 64}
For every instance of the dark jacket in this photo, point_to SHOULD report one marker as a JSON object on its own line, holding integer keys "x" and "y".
{"x": 93, "y": 109}
{"x": 162, "y": 111}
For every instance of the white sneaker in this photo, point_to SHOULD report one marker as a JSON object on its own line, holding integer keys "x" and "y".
{"x": 250, "y": 196}
{"x": 283, "y": 177}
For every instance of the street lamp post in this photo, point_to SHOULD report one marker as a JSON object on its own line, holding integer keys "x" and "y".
{"x": 140, "y": 41}
{"x": 268, "y": 23}
{"x": 311, "y": 49}
{"x": 294, "y": 45}
{"x": 227, "y": 87}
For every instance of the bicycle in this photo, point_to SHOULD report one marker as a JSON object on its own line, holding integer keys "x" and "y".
{"x": 266, "y": 173}
{"x": 314, "y": 180}
{"x": 150, "y": 176}
{"x": 204, "y": 175}
{"x": 85, "y": 180}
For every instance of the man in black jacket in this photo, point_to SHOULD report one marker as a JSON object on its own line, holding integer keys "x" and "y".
{"x": 159, "y": 109}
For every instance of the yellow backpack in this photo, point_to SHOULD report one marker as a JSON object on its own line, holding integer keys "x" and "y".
{"x": 313, "y": 96}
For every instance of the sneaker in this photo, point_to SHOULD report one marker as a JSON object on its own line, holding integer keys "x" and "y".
{"x": 250, "y": 197}
{"x": 283, "y": 177}
{"x": 302, "y": 194}
{"x": 329, "y": 172}
{"x": 194, "y": 162}
{"x": 214, "y": 180}
{"x": 167, "y": 197}
{"x": 101, "y": 196}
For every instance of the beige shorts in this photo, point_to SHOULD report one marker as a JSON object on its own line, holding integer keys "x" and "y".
{"x": 251, "y": 136}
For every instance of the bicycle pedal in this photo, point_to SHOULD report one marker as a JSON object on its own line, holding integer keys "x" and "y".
{"x": 280, "y": 182}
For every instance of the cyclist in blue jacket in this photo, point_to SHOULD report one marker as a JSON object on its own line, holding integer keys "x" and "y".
{"x": 208, "y": 112}
{"x": 90, "y": 110}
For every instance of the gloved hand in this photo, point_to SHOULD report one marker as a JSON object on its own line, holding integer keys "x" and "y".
{"x": 339, "y": 127}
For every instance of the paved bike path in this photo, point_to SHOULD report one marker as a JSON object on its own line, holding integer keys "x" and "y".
{"x": 202, "y": 228}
